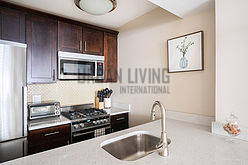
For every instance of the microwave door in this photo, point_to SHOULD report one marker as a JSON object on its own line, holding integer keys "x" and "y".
{"x": 71, "y": 69}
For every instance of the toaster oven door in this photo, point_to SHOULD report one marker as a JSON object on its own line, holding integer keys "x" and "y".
{"x": 36, "y": 112}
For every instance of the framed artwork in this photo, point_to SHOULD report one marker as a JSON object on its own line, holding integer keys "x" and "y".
{"x": 185, "y": 53}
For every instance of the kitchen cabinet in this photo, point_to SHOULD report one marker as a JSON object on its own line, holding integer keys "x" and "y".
{"x": 93, "y": 41}
{"x": 42, "y": 49}
{"x": 12, "y": 25}
{"x": 45, "y": 34}
{"x": 119, "y": 122}
{"x": 110, "y": 54}
{"x": 69, "y": 37}
{"x": 48, "y": 138}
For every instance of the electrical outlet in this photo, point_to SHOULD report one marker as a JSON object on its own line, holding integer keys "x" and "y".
{"x": 36, "y": 98}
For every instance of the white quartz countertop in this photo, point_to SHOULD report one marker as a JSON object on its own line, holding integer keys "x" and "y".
{"x": 47, "y": 122}
{"x": 191, "y": 145}
{"x": 116, "y": 111}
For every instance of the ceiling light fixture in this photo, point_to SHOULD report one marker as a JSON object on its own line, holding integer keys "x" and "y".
{"x": 96, "y": 7}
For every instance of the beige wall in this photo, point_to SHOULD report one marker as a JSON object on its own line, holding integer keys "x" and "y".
{"x": 67, "y": 92}
{"x": 231, "y": 59}
{"x": 142, "y": 44}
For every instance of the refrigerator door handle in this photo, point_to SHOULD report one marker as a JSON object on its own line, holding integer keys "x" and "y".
{"x": 25, "y": 111}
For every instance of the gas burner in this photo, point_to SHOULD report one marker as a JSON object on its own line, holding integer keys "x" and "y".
{"x": 94, "y": 112}
{"x": 84, "y": 113}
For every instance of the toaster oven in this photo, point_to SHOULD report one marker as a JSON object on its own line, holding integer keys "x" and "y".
{"x": 43, "y": 110}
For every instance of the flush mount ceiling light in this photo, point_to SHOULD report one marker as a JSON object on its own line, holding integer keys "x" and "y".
{"x": 96, "y": 7}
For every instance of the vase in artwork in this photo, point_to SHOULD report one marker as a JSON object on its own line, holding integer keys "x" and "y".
{"x": 183, "y": 63}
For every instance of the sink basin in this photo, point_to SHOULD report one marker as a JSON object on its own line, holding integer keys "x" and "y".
{"x": 131, "y": 146}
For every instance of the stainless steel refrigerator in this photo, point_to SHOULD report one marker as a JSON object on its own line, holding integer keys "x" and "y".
{"x": 13, "y": 100}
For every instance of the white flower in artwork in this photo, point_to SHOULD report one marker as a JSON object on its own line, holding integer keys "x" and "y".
{"x": 183, "y": 48}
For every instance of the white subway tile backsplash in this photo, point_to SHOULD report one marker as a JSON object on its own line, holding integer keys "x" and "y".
{"x": 67, "y": 92}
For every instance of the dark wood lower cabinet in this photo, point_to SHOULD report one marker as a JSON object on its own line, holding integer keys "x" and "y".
{"x": 119, "y": 122}
{"x": 48, "y": 138}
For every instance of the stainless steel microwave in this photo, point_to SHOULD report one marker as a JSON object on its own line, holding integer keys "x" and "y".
{"x": 43, "y": 109}
{"x": 76, "y": 66}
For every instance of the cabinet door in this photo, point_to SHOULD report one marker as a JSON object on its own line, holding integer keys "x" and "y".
{"x": 110, "y": 54}
{"x": 119, "y": 122}
{"x": 12, "y": 25}
{"x": 93, "y": 41}
{"x": 70, "y": 37}
{"x": 42, "y": 46}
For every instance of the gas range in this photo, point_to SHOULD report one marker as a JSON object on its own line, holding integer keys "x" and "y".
{"x": 86, "y": 122}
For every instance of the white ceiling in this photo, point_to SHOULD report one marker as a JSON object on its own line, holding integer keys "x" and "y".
{"x": 126, "y": 11}
{"x": 182, "y": 8}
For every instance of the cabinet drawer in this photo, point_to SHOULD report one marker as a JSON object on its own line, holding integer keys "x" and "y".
{"x": 47, "y": 146}
{"x": 121, "y": 118}
{"x": 49, "y": 134}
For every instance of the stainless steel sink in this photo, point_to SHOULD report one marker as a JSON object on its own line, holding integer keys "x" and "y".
{"x": 132, "y": 146}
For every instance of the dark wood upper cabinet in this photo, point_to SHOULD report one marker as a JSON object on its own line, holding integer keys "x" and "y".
{"x": 12, "y": 25}
{"x": 110, "y": 54}
{"x": 70, "y": 37}
{"x": 41, "y": 38}
{"x": 93, "y": 41}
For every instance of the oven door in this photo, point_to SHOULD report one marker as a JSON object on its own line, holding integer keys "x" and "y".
{"x": 90, "y": 133}
{"x": 76, "y": 69}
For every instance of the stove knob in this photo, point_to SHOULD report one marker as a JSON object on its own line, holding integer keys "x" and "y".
{"x": 98, "y": 121}
{"x": 105, "y": 120}
{"x": 94, "y": 122}
{"x": 81, "y": 125}
{"x": 102, "y": 121}
{"x": 75, "y": 126}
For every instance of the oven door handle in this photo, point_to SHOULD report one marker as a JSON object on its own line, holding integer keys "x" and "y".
{"x": 80, "y": 134}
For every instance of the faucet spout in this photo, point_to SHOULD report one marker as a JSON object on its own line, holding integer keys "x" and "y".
{"x": 163, "y": 144}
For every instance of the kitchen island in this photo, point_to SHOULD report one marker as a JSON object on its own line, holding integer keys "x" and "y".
{"x": 191, "y": 144}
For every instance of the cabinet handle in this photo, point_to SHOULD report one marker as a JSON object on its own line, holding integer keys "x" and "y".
{"x": 85, "y": 45}
{"x": 80, "y": 45}
{"x": 53, "y": 133}
{"x": 53, "y": 74}
{"x": 121, "y": 118}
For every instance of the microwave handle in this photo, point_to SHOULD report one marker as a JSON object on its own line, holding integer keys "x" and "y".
{"x": 96, "y": 69}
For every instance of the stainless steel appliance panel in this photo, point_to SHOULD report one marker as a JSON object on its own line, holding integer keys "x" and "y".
{"x": 13, "y": 149}
{"x": 13, "y": 120}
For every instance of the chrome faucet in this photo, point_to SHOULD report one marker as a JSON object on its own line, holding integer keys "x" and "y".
{"x": 163, "y": 144}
